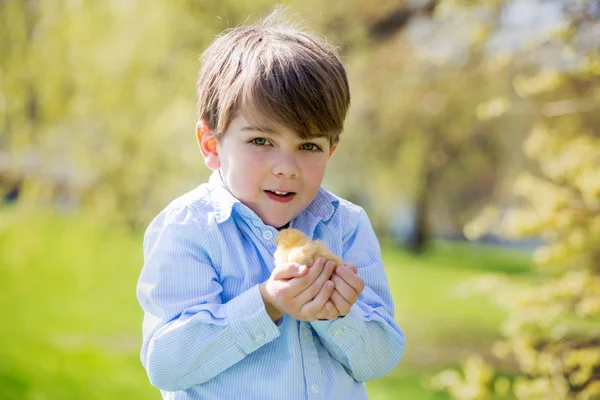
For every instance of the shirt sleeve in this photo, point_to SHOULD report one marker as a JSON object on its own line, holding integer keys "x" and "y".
{"x": 367, "y": 341}
{"x": 189, "y": 335}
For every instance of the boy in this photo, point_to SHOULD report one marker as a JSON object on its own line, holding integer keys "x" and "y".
{"x": 221, "y": 320}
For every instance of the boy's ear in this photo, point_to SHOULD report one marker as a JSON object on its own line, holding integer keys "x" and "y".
{"x": 333, "y": 149}
{"x": 208, "y": 145}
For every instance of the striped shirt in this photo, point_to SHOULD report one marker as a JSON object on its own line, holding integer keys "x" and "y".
{"x": 206, "y": 334}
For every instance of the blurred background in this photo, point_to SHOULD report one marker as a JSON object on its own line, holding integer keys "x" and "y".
{"x": 472, "y": 141}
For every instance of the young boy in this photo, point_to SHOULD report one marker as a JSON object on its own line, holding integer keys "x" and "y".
{"x": 221, "y": 320}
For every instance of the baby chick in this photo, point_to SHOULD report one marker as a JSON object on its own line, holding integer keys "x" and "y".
{"x": 294, "y": 246}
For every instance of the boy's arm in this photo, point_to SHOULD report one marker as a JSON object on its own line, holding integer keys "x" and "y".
{"x": 190, "y": 336}
{"x": 367, "y": 341}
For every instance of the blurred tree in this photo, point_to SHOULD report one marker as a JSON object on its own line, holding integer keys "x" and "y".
{"x": 552, "y": 333}
{"x": 91, "y": 127}
{"x": 418, "y": 73}
{"x": 82, "y": 119}
{"x": 97, "y": 100}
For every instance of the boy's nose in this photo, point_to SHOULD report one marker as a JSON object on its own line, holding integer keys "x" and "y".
{"x": 285, "y": 166}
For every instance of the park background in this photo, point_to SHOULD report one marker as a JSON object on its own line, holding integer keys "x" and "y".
{"x": 472, "y": 142}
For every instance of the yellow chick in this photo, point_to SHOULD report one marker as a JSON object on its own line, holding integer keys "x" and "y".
{"x": 294, "y": 246}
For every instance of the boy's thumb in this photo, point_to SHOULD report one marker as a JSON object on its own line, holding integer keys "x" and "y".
{"x": 289, "y": 271}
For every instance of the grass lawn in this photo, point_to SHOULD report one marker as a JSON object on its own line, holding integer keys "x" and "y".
{"x": 70, "y": 326}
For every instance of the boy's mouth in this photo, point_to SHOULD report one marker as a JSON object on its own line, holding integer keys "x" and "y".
{"x": 282, "y": 197}
{"x": 280, "y": 193}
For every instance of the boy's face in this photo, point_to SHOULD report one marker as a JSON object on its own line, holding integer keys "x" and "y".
{"x": 257, "y": 162}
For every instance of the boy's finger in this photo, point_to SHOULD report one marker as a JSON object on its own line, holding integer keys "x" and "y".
{"x": 289, "y": 271}
{"x": 315, "y": 287}
{"x": 309, "y": 277}
{"x": 355, "y": 281}
{"x": 344, "y": 289}
{"x": 312, "y": 308}
{"x": 328, "y": 312}
{"x": 341, "y": 305}
{"x": 352, "y": 267}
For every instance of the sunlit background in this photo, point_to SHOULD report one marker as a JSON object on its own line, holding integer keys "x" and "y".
{"x": 472, "y": 141}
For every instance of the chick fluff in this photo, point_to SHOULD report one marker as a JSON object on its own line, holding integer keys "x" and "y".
{"x": 294, "y": 246}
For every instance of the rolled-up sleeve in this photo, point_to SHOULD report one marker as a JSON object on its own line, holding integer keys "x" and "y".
{"x": 367, "y": 341}
{"x": 189, "y": 335}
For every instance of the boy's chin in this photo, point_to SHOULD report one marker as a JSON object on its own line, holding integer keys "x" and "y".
{"x": 277, "y": 223}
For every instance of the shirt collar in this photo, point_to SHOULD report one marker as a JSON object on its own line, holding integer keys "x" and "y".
{"x": 322, "y": 207}
{"x": 223, "y": 200}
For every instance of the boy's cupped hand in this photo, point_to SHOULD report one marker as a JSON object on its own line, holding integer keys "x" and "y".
{"x": 311, "y": 293}
{"x": 300, "y": 291}
{"x": 348, "y": 286}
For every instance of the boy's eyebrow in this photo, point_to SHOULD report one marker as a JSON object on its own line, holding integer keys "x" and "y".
{"x": 248, "y": 128}
{"x": 252, "y": 128}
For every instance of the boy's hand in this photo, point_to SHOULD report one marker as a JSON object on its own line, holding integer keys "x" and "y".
{"x": 348, "y": 285}
{"x": 300, "y": 291}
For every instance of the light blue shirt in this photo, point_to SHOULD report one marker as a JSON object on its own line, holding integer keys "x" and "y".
{"x": 206, "y": 332}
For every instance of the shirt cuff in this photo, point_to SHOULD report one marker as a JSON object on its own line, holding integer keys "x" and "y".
{"x": 248, "y": 319}
{"x": 345, "y": 332}
{"x": 321, "y": 327}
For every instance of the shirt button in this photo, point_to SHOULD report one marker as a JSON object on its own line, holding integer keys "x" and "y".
{"x": 267, "y": 235}
{"x": 259, "y": 336}
{"x": 314, "y": 389}
{"x": 337, "y": 331}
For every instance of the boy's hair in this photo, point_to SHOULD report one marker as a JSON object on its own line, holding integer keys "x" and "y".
{"x": 277, "y": 72}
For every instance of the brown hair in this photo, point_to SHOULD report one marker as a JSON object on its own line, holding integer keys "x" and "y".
{"x": 277, "y": 72}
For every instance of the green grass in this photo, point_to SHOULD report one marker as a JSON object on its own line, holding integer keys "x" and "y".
{"x": 442, "y": 321}
{"x": 430, "y": 296}
{"x": 70, "y": 326}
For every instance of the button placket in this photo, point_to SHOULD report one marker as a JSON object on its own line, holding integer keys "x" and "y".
{"x": 310, "y": 360}
{"x": 266, "y": 233}
{"x": 306, "y": 333}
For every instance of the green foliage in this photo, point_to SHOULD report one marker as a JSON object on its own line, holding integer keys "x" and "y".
{"x": 107, "y": 122}
{"x": 552, "y": 334}
{"x": 97, "y": 100}
{"x": 412, "y": 120}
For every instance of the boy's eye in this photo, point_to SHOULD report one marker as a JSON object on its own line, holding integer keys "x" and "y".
{"x": 310, "y": 147}
{"x": 259, "y": 141}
